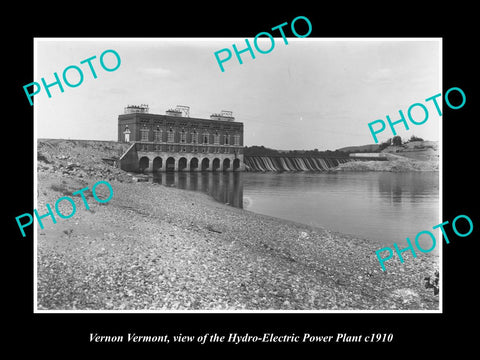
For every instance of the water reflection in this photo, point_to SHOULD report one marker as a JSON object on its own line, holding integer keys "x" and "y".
{"x": 226, "y": 187}
{"x": 409, "y": 186}
{"x": 384, "y": 207}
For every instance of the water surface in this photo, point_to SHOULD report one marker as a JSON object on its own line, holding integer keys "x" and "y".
{"x": 384, "y": 207}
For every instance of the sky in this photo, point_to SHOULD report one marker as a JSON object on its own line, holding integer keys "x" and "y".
{"x": 312, "y": 93}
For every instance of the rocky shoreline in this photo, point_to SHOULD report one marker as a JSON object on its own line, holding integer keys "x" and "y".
{"x": 158, "y": 248}
{"x": 400, "y": 164}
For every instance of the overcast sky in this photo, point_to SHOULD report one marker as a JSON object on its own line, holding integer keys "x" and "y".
{"x": 311, "y": 93}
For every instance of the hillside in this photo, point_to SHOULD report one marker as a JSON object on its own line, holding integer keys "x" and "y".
{"x": 263, "y": 151}
{"x": 81, "y": 158}
{"x": 411, "y": 156}
{"x": 360, "y": 148}
{"x": 417, "y": 150}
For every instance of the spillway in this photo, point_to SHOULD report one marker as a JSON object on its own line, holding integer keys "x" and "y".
{"x": 289, "y": 163}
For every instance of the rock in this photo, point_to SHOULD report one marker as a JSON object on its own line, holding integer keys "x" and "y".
{"x": 406, "y": 295}
{"x": 139, "y": 179}
{"x": 42, "y": 157}
{"x": 303, "y": 235}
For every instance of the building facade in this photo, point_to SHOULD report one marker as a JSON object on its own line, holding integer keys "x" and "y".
{"x": 177, "y": 142}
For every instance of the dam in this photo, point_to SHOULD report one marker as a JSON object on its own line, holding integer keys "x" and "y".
{"x": 176, "y": 142}
{"x": 292, "y": 163}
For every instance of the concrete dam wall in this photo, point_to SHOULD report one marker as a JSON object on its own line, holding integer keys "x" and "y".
{"x": 289, "y": 163}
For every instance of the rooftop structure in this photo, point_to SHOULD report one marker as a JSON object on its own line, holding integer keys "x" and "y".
{"x": 225, "y": 115}
{"x": 130, "y": 109}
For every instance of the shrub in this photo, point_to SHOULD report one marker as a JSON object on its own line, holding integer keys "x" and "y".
{"x": 385, "y": 144}
{"x": 414, "y": 138}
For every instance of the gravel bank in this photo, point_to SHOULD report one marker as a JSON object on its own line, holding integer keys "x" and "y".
{"x": 394, "y": 165}
{"x": 158, "y": 248}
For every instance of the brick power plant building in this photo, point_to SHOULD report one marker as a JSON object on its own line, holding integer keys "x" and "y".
{"x": 177, "y": 142}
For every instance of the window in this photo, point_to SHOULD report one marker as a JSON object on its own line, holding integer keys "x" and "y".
{"x": 158, "y": 134}
{"x": 171, "y": 135}
{"x": 183, "y": 136}
{"x": 194, "y": 137}
{"x": 127, "y": 134}
{"x": 205, "y": 137}
{"x": 216, "y": 138}
{"x": 236, "y": 139}
{"x": 144, "y": 133}
{"x": 227, "y": 139}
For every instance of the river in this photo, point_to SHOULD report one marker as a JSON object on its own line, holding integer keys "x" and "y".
{"x": 384, "y": 207}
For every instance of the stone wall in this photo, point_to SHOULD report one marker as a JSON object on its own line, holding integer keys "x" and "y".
{"x": 129, "y": 160}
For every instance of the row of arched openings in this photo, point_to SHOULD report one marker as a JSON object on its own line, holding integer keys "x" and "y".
{"x": 195, "y": 164}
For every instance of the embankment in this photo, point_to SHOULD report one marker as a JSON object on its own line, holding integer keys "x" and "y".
{"x": 411, "y": 156}
{"x": 81, "y": 158}
{"x": 394, "y": 164}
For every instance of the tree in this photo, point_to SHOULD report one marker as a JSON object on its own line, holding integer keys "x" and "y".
{"x": 385, "y": 144}
{"x": 414, "y": 138}
{"x": 397, "y": 141}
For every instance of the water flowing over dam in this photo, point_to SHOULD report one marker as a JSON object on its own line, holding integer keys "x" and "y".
{"x": 288, "y": 163}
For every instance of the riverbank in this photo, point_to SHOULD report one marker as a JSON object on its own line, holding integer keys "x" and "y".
{"x": 395, "y": 163}
{"x": 153, "y": 247}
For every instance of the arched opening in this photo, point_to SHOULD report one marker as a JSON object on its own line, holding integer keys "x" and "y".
{"x": 182, "y": 164}
{"x": 215, "y": 164}
{"x": 170, "y": 164}
{"x": 193, "y": 164}
{"x": 236, "y": 164}
{"x": 143, "y": 163}
{"x": 226, "y": 164}
{"x": 157, "y": 163}
{"x": 205, "y": 163}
